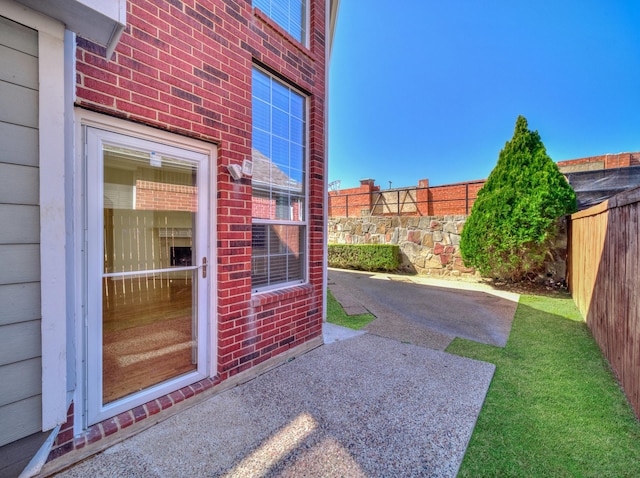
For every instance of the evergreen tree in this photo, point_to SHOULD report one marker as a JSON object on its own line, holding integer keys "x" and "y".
{"x": 514, "y": 219}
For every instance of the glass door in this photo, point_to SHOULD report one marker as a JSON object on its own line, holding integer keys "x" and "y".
{"x": 147, "y": 243}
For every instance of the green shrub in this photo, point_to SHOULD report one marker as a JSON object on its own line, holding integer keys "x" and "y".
{"x": 515, "y": 217}
{"x": 365, "y": 257}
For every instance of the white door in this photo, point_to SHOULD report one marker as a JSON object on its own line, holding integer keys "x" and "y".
{"x": 147, "y": 212}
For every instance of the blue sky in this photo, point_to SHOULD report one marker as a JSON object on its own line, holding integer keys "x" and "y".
{"x": 432, "y": 89}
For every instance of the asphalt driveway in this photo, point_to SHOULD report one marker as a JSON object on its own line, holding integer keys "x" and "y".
{"x": 427, "y": 311}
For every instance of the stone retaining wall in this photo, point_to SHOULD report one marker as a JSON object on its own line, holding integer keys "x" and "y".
{"x": 430, "y": 244}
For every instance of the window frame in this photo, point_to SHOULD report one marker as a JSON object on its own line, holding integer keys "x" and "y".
{"x": 303, "y": 223}
{"x": 305, "y": 20}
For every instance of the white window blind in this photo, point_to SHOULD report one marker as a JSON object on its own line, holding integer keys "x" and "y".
{"x": 279, "y": 177}
{"x": 289, "y": 14}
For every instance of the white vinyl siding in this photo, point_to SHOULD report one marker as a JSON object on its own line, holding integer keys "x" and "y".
{"x": 20, "y": 338}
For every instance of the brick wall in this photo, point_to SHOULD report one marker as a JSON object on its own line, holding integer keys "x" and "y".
{"x": 185, "y": 66}
{"x": 451, "y": 199}
{"x": 605, "y": 161}
{"x": 368, "y": 199}
{"x": 448, "y": 199}
{"x": 152, "y": 196}
{"x": 352, "y": 202}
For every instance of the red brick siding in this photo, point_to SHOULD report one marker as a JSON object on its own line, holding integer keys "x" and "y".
{"x": 185, "y": 66}
{"x": 280, "y": 320}
{"x": 620, "y": 160}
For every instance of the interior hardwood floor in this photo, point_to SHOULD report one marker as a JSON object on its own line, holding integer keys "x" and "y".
{"x": 148, "y": 334}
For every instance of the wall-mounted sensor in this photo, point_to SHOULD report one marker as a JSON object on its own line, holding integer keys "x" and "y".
{"x": 247, "y": 168}
{"x": 235, "y": 170}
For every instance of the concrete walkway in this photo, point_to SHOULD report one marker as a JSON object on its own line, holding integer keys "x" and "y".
{"x": 361, "y": 405}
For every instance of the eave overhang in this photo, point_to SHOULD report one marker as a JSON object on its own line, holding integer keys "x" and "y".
{"x": 101, "y": 21}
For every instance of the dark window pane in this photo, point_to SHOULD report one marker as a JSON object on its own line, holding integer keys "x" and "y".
{"x": 262, "y": 142}
{"x": 261, "y": 114}
{"x": 280, "y": 123}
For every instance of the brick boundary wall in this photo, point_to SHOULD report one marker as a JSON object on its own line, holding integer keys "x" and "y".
{"x": 360, "y": 199}
{"x": 423, "y": 200}
{"x": 447, "y": 199}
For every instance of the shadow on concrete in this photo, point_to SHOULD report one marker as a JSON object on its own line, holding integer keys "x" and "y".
{"x": 363, "y": 407}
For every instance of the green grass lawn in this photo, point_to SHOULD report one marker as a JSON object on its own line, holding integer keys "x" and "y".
{"x": 336, "y": 315}
{"x": 554, "y": 408}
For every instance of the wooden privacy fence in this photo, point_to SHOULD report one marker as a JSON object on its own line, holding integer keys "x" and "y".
{"x": 604, "y": 256}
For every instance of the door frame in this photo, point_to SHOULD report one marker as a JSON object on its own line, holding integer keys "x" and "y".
{"x": 88, "y": 359}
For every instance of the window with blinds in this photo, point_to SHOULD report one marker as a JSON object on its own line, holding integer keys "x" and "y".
{"x": 279, "y": 198}
{"x": 289, "y": 14}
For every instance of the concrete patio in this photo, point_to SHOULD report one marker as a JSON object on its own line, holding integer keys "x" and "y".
{"x": 363, "y": 404}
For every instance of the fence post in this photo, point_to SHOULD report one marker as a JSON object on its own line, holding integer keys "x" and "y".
{"x": 346, "y": 205}
{"x": 466, "y": 198}
{"x": 398, "y": 194}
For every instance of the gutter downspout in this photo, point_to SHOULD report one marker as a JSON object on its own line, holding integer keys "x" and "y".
{"x": 40, "y": 458}
{"x": 331, "y": 12}
{"x": 118, "y": 30}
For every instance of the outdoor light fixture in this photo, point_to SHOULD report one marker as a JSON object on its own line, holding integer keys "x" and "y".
{"x": 238, "y": 172}
{"x": 235, "y": 170}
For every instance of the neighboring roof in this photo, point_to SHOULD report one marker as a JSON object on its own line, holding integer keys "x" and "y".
{"x": 594, "y": 187}
{"x": 266, "y": 173}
